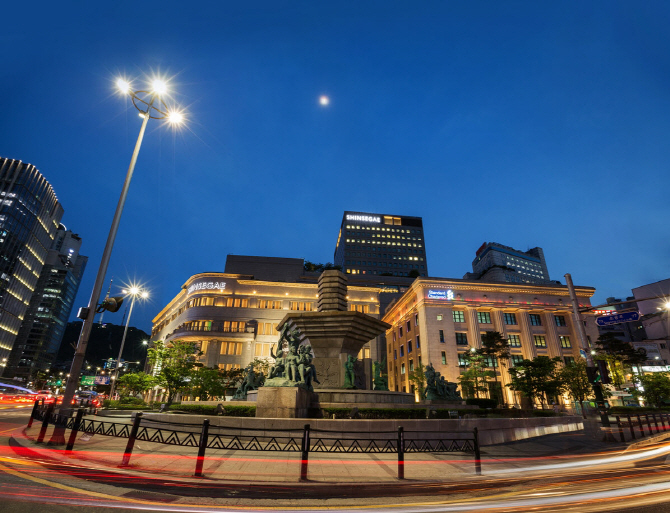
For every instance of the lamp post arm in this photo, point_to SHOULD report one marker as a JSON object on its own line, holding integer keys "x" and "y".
{"x": 82, "y": 343}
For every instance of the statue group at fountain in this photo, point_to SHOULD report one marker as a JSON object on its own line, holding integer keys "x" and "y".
{"x": 438, "y": 388}
{"x": 293, "y": 366}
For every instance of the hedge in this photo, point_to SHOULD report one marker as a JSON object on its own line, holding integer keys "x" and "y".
{"x": 420, "y": 413}
{"x": 482, "y": 403}
{"x": 116, "y": 405}
{"x": 206, "y": 409}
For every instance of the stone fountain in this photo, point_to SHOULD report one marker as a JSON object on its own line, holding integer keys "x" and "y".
{"x": 334, "y": 334}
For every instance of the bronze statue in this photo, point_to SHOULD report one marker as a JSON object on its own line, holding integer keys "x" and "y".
{"x": 349, "y": 374}
{"x": 380, "y": 382}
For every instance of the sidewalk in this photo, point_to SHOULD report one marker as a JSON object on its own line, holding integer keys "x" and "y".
{"x": 178, "y": 463}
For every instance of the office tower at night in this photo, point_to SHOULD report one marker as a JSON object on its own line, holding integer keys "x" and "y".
{"x": 495, "y": 262}
{"x": 43, "y": 326}
{"x": 29, "y": 217}
{"x": 381, "y": 244}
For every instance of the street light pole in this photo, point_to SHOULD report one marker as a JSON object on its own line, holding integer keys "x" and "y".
{"x": 583, "y": 342}
{"x": 146, "y": 113}
{"x": 134, "y": 292}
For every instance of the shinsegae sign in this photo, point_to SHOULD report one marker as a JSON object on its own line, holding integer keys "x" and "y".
{"x": 365, "y": 219}
{"x": 206, "y": 285}
{"x": 441, "y": 294}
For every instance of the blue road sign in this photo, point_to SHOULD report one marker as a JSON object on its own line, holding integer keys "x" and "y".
{"x": 606, "y": 320}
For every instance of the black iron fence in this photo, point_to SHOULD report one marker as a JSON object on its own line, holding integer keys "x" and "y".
{"x": 305, "y": 441}
{"x": 633, "y": 423}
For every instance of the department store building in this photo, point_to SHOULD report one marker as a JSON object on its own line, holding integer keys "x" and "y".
{"x": 437, "y": 320}
{"x": 233, "y": 317}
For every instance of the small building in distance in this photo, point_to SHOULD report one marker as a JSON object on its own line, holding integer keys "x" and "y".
{"x": 495, "y": 262}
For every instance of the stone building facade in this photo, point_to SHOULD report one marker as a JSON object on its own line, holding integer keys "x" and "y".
{"x": 438, "y": 319}
{"x": 233, "y": 317}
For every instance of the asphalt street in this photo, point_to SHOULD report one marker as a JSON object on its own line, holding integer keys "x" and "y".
{"x": 31, "y": 482}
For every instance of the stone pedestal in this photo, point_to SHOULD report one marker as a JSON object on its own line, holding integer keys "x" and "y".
{"x": 284, "y": 402}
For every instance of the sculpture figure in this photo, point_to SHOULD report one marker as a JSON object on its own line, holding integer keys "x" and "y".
{"x": 349, "y": 374}
{"x": 380, "y": 382}
{"x": 306, "y": 369}
{"x": 248, "y": 383}
{"x": 293, "y": 366}
{"x": 438, "y": 388}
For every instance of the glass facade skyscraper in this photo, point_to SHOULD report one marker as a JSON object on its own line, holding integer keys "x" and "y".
{"x": 44, "y": 324}
{"x": 29, "y": 217}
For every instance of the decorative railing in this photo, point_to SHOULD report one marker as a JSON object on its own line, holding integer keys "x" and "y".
{"x": 305, "y": 441}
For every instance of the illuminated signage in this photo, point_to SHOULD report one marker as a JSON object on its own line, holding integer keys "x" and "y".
{"x": 441, "y": 294}
{"x": 365, "y": 219}
{"x": 207, "y": 285}
{"x": 603, "y": 312}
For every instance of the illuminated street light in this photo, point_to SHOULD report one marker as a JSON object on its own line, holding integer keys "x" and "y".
{"x": 152, "y": 106}
{"x": 134, "y": 292}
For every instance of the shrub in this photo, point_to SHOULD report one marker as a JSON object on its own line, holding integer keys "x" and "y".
{"x": 131, "y": 400}
{"x": 118, "y": 405}
{"x": 482, "y": 403}
{"x": 376, "y": 413}
{"x": 207, "y": 409}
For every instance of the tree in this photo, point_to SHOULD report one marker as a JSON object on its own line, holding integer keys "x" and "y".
{"x": 314, "y": 267}
{"x": 656, "y": 388}
{"x": 475, "y": 378}
{"x": 207, "y": 382}
{"x": 135, "y": 383}
{"x": 496, "y": 347}
{"x": 176, "y": 362}
{"x": 576, "y": 382}
{"x": 232, "y": 378}
{"x": 536, "y": 378}
{"x": 619, "y": 355}
{"x": 418, "y": 378}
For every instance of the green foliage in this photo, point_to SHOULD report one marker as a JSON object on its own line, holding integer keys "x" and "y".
{"x": 177, "y": 362}
{"x": 537, "y": 378}
{"x": 208, "y": 409}
{"x": 482, "y": 403}
{"x": 420, "y": 413}
{"x": 135, "y": 383}
{"x": 376, "y": 413}
{"x": 575, "y": 381}
{"x": 656, "y": 388}
{"x": 619, "y": 355}
{"x": 119, "y": 405}
{"x": 418, "y": 378}
{"x": 207, "y": 382}
{"x": 474, "y": 380}
{"x": 496, "y": 346}
{"x": 319, "y": 268}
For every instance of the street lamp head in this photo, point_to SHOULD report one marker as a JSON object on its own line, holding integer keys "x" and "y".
{"x": 145, "y": 342}
{"x": 123, "y": 86}
{"x": 134, "y": 291}
{"x": 175, "y": 118}
{"x": 144, "y": 295}
{"x": 667, "y": 305}
{"x": 159, "y": 86}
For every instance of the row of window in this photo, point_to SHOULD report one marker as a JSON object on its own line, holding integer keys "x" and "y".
{"x": 230, "y": 348}
{"x": 509, "y": 318}
{"x": 409, "y": 348}
{"x": 512, "y": 339}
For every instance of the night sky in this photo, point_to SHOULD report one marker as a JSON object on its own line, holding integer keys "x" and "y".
{"x": 524, "y": 123}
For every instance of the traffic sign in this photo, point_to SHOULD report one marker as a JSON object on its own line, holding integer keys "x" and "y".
{"x": 606, "y": 320}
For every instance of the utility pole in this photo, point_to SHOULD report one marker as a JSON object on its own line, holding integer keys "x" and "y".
{"x": 583, "y": 343}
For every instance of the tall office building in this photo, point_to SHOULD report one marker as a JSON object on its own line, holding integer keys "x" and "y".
{"x": 29, "y": 217}
{"x": 43, "y": 326}
{"x": 381, "y": 244}
{"x": 495, "y": 262}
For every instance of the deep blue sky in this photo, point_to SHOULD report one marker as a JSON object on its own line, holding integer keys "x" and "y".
{"x": 525, "y": 123}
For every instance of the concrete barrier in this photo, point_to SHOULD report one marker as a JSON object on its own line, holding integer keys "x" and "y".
{"x": 491, "y": 431}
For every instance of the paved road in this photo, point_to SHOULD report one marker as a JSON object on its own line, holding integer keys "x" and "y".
{"x": 518, "y": 477}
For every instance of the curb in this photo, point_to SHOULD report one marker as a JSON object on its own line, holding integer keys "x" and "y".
{"x": 648, "y": 441}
